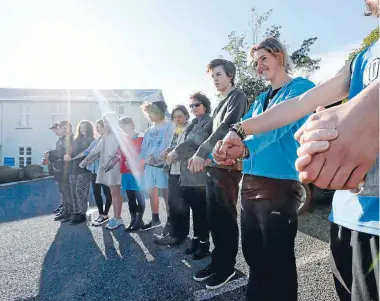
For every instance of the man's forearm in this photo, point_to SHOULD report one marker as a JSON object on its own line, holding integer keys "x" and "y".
{"x": 365, "y": 108}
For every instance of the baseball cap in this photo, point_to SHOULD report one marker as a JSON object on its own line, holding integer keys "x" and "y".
{"x": 54, "y": 126}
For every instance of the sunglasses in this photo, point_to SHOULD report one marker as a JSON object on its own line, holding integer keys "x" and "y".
{"x": 195, "y": 105}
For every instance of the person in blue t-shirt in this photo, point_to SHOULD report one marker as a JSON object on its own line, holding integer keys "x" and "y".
{"x": 270, "y": 188}
{"x": 330, "y": 159}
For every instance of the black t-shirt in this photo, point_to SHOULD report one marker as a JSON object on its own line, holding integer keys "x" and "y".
{"x": 270, "y": 96}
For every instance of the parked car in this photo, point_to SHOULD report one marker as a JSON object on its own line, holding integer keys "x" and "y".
{"x": 312, "y": 194}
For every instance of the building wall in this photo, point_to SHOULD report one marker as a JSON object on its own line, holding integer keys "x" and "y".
{"x": 38, "y": 136}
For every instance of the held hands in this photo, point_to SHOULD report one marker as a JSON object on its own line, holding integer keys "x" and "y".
{"x": 227, "y": 151}
{"x": 197, "y": 164}
{"x": 333, "y": 161}
{"x": 171, "y": 157}
{"x": 83, "y": 164}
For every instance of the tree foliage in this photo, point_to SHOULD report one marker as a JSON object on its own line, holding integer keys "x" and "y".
{"x": 237, "y": 48}
{"x": 373, "y": 36}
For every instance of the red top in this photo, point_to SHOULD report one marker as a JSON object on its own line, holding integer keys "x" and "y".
{"x": 133, "y": 149}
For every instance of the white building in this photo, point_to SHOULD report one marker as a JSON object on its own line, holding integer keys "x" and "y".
{"x": 27, "y": 114}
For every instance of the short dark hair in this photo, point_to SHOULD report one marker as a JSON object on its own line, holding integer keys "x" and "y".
{"x": 100, "y": 122}
{"x": 181, "y": 108}
{"x": 203, "y": 99}
{"x": 127, "y": 121}
{"x": 228, "y": 67}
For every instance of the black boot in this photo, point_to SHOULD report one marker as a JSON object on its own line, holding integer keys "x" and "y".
{"x": 203, "y": 250}
{"x": 133, "y": 220}
{"x": 193, "y": 248}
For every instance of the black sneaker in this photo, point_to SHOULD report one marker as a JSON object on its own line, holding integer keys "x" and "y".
{"x": 167, "y": 241}
{"x": 204, "y": 274}
{"x": 137, "y": 225}
{"x": 60, "y": 217}
{"x": 77, "y": 219}
{"x": 67, "y": 218}
{"x": 151, "y": 225}
{"x": 218, "y": 280}
{"x": 58, "y": 209}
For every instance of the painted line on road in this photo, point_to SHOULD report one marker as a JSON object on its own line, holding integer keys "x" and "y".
{"x": 206, "y": 294}
{"x": 147, "y": 254}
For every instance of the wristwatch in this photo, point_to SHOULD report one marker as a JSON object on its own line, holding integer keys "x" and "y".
{"x": 238, "y": 129}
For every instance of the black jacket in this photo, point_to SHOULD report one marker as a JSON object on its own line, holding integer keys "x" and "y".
{"x": 60, "y": 167}
{"x": 228, "y": 112}
{"x": 79, "y": 145}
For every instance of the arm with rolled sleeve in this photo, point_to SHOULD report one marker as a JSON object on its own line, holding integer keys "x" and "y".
{"x": 257, "y": 143}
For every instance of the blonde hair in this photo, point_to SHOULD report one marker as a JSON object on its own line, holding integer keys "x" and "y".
{"x": 274, "y": 47}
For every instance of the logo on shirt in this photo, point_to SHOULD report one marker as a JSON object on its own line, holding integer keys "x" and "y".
{"x": 371, "y": 72}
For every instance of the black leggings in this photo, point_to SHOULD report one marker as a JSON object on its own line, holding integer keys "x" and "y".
{"x": 97, "y": 191}
{"x": 136, "y": 202}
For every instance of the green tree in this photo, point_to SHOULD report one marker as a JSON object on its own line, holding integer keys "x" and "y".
{"x": 373, "y": 36}
{"x": 237, "y": 48}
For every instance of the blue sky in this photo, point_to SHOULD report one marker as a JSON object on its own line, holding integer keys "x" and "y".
{"x": 156, "y": 43}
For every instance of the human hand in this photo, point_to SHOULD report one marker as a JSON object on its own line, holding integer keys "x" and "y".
{"x": 171, "y": 157}
{"x": 333, "y": 161}
{"x": 196, "y": 164}
{"x": 66, "y": 157}
{"x": 83, "y": 164}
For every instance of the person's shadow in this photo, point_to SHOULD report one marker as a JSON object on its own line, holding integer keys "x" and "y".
{"x": 71, "y": 266}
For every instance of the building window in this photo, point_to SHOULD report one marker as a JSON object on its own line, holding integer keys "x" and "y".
{"x": 56, "y": 113}
{"x": 121, "y": 110}
{"x": 25, "y": 116}
{"x": 24, "y": 156}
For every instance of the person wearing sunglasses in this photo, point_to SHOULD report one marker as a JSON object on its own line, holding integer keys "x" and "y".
{"x": 192, "y": 185}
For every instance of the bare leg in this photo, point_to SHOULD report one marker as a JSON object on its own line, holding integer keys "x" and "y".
{"x": 154, "y": 201}
{"x": 117, "y": 200}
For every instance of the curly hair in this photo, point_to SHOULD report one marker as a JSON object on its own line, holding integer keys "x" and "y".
{"x": 203, "y": 99}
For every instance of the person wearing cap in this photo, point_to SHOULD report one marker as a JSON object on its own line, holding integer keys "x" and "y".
{"x": 61, "y": 168}
{"x": 55, "y": 128}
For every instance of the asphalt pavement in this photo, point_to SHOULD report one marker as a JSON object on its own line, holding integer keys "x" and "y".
{"x": 44, "y": 260}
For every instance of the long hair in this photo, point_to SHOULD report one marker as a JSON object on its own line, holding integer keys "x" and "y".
{"x": 89, "y": 129}
{"x": 274, "y": 47}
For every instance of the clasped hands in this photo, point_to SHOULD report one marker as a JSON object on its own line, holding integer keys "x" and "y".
{"x": 334, "y": 153}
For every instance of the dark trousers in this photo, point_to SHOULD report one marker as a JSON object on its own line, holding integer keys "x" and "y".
{"x": 355, "y": 264}
{"x": 179, "y": 210}
{"x": 268, "y": 231}
{"x": 195, "y": 198}
{"x": 97, "y": 191}
{"x": 222, "y": 194}
{"x": 136, "y": 202}
{"x": 65, "y": 190}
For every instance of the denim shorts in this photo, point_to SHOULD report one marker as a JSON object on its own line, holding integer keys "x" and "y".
{"x": 155, "y": 177}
